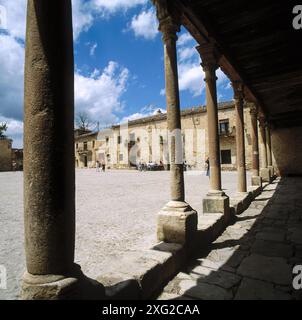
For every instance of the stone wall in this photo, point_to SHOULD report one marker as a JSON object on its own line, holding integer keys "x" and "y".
{"x": 5, "y": 155}
{"x": 287, "y": 150}
{"x": 146, "y": 139}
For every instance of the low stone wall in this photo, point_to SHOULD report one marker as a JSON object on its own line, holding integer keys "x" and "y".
{"x": 143, "y": 274}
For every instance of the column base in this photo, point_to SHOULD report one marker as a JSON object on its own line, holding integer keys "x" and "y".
{"x": 257, "y": 181}
{"x": 216, "y": 202}
{"x": 48, "y": 287}
{"x": 265, "y": 175}
{"x": 272, "y": 171}
{"x": 241, "y": 201}
{"x": 177, "y": 223}
{"x": 75, "y": 286}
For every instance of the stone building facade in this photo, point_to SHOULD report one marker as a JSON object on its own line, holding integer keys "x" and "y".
{"x": 146, "y": 140}
{"x": 5, "y": 154}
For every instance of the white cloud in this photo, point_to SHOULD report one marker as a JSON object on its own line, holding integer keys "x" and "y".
{"x": 145, "y": 24}
{"x": 146, "y": 111}
{"x": 82, "y": 17}
{"x": 184, "y": 39}
{"x": 111, "y": 6}
{"x": 100, "y": 93}
{"x": 84, "y": 13}
{"x": 186, "y": 53}
{"x": 190, "y": 73}
{"x": 11, "y": 77}
{"x": 92, "y": 49}
{"x": 16, "y": 17}
{"x": 14, "y": 131}
{"x": 191, "y": 78}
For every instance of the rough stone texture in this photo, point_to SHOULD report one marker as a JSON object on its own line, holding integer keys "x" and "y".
{"x": 272, "y": 249}
{"x": 257, "y": 181}
{"x": 209, "y": 59}
{"x": 50, "y": 291}
{"x": 250, "y": 289}
{"x": 271, "y": 269}
{"x": 216, "y": 204}
{"x": 265, "y": 174}
{"x": 203, "y": 291}
{"x": 49, "y": 178}
{"x": 255, "y": 143}
{"x": 281, "y": 146}
{"x": 240, "y": 141}
{"x": 271, "y": 236}
{"x": 177, "y": 223}
{"x": 253, "y": 258}
{"x": 5, "y": 154}
{"x": 169, "y": 27}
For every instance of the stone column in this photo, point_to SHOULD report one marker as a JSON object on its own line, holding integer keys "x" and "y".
{"x": 264, "y": 172}
{"x": 240, "y": 143}
{"x": 49, "y": 174}
{"x": 269, "y": 149}
{"x": 256, "y": 179}
{"x": 216, "y": 201}
{"x": 177, "y": 221}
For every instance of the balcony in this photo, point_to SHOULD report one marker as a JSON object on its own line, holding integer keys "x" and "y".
{"x": 225, "y": 131}
{"x": 83, "y": 151}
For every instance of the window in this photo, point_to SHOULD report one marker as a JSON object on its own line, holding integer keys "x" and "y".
{"x": 93, "y": 144}
{"x": 224, "y": 126}
{"x": 226, "y": 157}
{"x": 85, "y": 145}
{"x": 121, "y": 157}
{"x": 77, "y": 146}
{"x": 107, "y": 141}
{"x": 119, "y": 139}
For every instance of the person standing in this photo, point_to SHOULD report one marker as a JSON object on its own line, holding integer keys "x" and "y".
{"x": 208, "y": 167}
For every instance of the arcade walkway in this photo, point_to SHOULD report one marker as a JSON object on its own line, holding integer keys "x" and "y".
{"x": 254, "y": 257}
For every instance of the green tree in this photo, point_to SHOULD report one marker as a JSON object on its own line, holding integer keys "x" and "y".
{"x": 3, "y": 128}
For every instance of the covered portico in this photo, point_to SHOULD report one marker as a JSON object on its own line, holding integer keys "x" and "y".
{"x": 256, "y": 50}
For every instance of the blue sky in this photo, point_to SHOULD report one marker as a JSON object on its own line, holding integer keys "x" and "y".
{"x": 119, "y": 67}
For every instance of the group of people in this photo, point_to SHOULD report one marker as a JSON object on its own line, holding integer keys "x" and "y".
{"x": 141, "y": 166}
{"x": 100, "y": 166}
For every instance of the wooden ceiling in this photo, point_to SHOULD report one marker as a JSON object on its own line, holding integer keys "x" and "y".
{"x": 259, "y": 44}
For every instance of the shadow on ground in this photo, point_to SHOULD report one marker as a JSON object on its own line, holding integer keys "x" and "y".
{"x": 254, "y": 257}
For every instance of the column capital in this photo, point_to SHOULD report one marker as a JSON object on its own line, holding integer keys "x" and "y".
{"x": 253, "y": 108}
{"x": 209, "y": 56}
{"x": 262, "y": 120}
{"x": 169, "y": 23}
{"x": 238, "y": 88}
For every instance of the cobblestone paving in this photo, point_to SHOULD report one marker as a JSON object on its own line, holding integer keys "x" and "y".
{"x": 254, "y": 257}
{"x": 116, "y": 212}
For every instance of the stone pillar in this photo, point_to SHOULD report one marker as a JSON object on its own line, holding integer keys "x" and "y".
{"x": 269, "y": 149}
{"x": 240, "y": 143}
{"x": 177, "y": 221}
{"x": 216, "y": 201}
{"x": 256, "y": 179}
{"x": 49, "y": 174}
{"x": 264, "y": 172}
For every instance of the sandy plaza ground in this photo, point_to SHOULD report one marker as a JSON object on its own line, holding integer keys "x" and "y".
{"x": 116, "y": 212}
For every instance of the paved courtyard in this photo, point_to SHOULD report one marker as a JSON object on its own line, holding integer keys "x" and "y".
{"x": 116, "y": 212}
{"x": 254, "y": 257}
